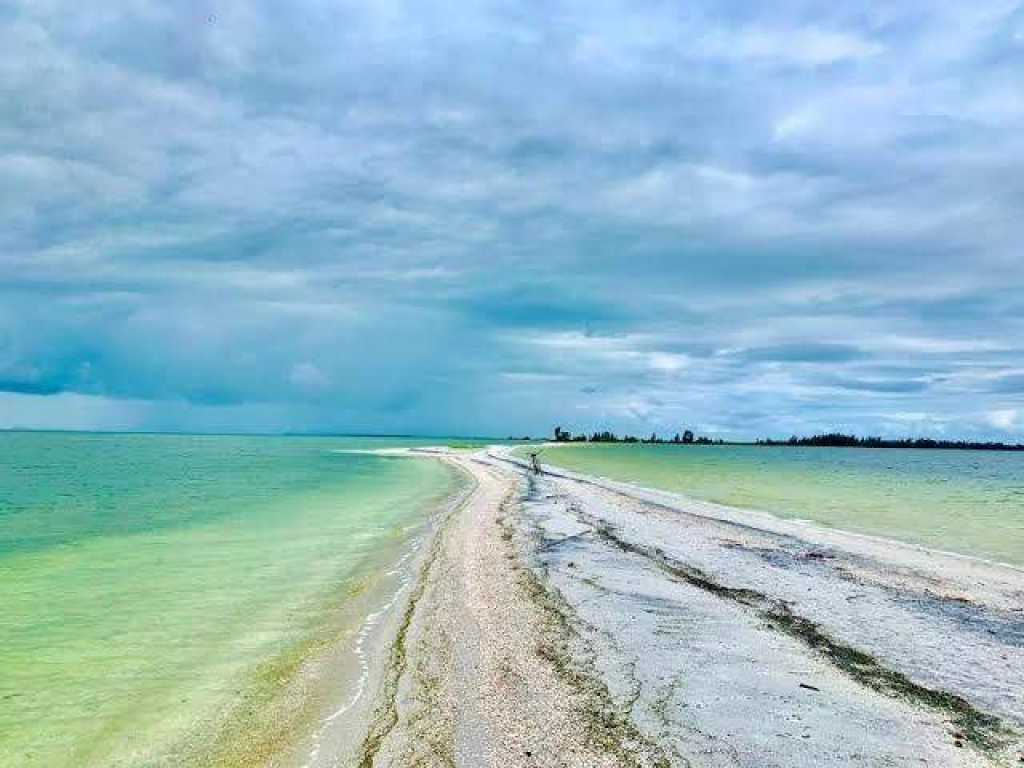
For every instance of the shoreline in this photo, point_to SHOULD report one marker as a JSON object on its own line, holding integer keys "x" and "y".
{"x": 559, "y": 622}
{"x": 478, "y": 674}
{"x": 737, "y": 513}
{"x": 758, "y": 517}
{"x": 347, "y": 676}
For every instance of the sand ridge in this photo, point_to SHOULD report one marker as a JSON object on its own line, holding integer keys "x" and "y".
{"x": 559, "y": 622}
{"x": 481, "y": 679}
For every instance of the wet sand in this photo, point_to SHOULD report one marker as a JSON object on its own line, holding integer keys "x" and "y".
{"x": 560, "y": 620}
{"x": 342, "y": 686}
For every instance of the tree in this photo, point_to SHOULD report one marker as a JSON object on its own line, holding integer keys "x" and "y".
{"x": 687, "y": 436}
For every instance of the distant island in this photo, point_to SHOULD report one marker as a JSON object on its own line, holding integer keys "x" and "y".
{"x": 838, "y": 440}
{"x": 829, "y": 440}
{"x": 686, "y": 437}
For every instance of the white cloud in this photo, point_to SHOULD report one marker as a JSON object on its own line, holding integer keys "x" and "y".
{"x": 1005, "y": 419}
{"x": 665, "y": 362}
{"x": 807, "y": 46}
{"x": 797, "y": 124}
{"x": 309, "y": 378}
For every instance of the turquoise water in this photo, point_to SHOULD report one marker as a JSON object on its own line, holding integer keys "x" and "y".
{"x": 154, "y": 590}
{"x": 970, "y": 502}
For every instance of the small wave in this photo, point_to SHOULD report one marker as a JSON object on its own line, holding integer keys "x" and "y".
{"x": 359, "y": 649}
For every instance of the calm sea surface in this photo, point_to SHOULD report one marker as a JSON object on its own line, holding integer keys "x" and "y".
{"x": 155, "y": 589}
{"x": 971, "y": 502}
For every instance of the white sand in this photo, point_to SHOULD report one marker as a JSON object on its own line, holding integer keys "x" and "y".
{"x": 564, "y": 621}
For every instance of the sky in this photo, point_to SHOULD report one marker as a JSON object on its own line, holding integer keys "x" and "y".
{"x": 490, "y": 218}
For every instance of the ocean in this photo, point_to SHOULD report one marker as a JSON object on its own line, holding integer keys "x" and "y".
{"x": 967, "y": 502}
{"x": 158, "y": 592}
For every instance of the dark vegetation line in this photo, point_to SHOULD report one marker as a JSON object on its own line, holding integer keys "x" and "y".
{"x": 386, "y": 716}
{"x": 984, "y": 731}
{"x": 838, "y": 440}
{"x": 686, "y": 438}
{"x": 829, "y": 440}
{"x": 609, "y": 728}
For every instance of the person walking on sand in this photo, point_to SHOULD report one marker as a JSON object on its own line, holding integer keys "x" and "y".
{"x": 534, "y": 463}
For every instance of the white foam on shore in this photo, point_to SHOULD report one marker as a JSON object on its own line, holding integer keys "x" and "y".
{"x": 369, "y": 623}
{"x": 405, "y": 568}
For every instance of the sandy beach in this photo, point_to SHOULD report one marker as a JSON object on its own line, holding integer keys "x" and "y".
{"x": 564, "y": 620}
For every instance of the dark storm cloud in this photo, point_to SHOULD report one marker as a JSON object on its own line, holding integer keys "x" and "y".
{"x": 399, "y": 216}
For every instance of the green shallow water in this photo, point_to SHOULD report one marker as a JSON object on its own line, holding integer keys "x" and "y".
{"x": 147, "y": 582}
{"x": 970, "y": 502}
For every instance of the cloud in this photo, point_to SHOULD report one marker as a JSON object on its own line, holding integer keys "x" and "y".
{"x": 308, "y": 378}
{"x": 806, "y": 46}
{"x": 1010, "y": 383}
{"x": 1005, "y": 419}
{"x": 747, "y": 218}
{"x": 809, "y": 352}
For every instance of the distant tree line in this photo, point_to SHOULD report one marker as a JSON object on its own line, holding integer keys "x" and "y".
{"x": 838, "y": 440}
{"x": 829, "y": 440}
{"x": 686, "y": 438}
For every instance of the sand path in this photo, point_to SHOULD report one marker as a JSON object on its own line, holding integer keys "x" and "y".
{"x": 560, "y": 622}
